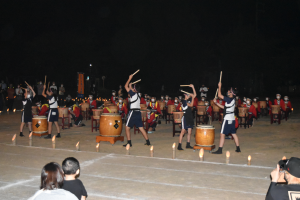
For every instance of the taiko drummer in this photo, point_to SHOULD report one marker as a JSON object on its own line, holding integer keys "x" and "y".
{"x": 134, "y": 115}
{"x": 228, "y": 124}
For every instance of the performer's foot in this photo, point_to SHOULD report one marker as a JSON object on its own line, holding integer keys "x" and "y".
{"x": 179, "y": 147}
{"x": 188, "y": 146}
{"x": 82, "y": 124}
{"x": 48, "y": 136}
{"x": 238, "y": 150}
{"x": 71, "y": 125}
{"x": 58, "y": 135}
{"x": 219, "y": 151}
{"x": 153, "y": 129}
{"x": 128, "y": 142}
{"x": 147, "y": 142}
{"x": 21, "y": 134}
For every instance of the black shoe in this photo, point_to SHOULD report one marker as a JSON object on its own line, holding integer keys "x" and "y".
{"x": 58, "y": 135}
{"x": 153, "y": 129}
{"x": 21, "y": 135}
{"x": 238, "y": 150}
{"x": 188, "y": 146}
{"x": 219, "y": 151}
{"x": 82, "y": 124}
{"x": 179, "y": 147}
{"x": 71, "y": 125}
{"x": 147, "y": 143}
{"x": 48, "y": 136}
{"x": 126, "y": 145}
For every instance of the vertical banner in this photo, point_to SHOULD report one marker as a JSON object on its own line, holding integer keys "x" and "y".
{"x": 80, "y": 92}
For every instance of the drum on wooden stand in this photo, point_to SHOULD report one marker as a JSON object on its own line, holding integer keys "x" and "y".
{"x": 39, "y": 125}
{"x": 144, "y": 115}
{"x": 110, "y": 125}
{"x": 205, "y": 137}
{"x": 201, "y": 110}
{"x": 162, "y": 105}
{"x": 35, "y": 110}
{"x": 177, "y": 117}
{"x": 243, "y": 111}
{"x": 275, "y": 109}
{"x": 171, "y": 109}
{"x": 63, "y": 112}
{"x": 97, "y": 113}
{"x": 201, "y": 103}
{"x": 255, "y": 104}
{"x": 113, "y": 108}
{"x": 143, "y": 106}
{"x": 263, "y": 104}
{"x": 85, "y": 106}
{"x": 106, "y": 102}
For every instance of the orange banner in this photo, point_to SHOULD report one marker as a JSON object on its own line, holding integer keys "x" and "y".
{"x": 80, "y": 85}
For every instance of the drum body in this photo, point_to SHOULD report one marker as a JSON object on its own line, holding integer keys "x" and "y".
{"x": 144, "y": 115}
{"x": 143, "y": 106}
{"x": 255, "y": 104}
{"x": 263, "y": 104}
{"x": 39, "y": 124}
{"x": 243, "y": 111}
{"x": 205, "y": 135}
{"x": 106, "y": 102}
{"x": 201, "y": 110}
{"x": 97, "y": 113}
{"x": 63, "y": 112}
{"x": 35, "y": 110}
{"x": 201, "y": 103}
{"x": 171, "y": 109}
{"x": 177, "y": 117}
{"x": 162, "y": 105}
{"x": 110, "y": 125}
{"x": 275, "y": 109}
{"x": 113, "y": 108}
{"x": 85, "y": 106}
{"x": 216, "y": 108}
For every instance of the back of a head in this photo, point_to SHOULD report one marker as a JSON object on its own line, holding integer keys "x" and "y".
{"x": 52, "y": 176}
{"x": 137, "y": 87}
{"x": 233, "y": 90}
{"x": 70, "y": 165}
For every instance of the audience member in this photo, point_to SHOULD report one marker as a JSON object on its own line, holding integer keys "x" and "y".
{"x": 40, "y": 88}
{"x": 61, "y": 95}
{"x": 52, "y": 179}
{"x": 18, "y": 105}
{"x": 10, "y": 95}
{"x": 71, "y": 169}
{"x": 54, "y": 87}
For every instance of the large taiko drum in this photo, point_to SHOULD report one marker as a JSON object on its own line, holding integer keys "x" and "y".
{"x": 177, "y": 117}
{"x": 162, "y": 105}
{"x": 39, "y": 124}
{"x": 171, "y": 109}
{"x": 275, "y": 109}
{"x": 35, "y": 110}
{"x": 201, "y": 110}
{"x": 113, "y": 108}
{"x": 106, "y": 102}
{"x": 205, "y": 135}
{"x": 255, "y": 104}
{"x": 110, "y": 125}
{"x": 143, "y": 106}
{"x": 243, "y": 111}
{"x": 85, "y": 106}
{"x": 97, "y": 113}
{"x": 263, "y": 104}
{"x": 63, "y": 112}
{"x": 201, "y": 103}
{"x": 144, "y": 115}
{"x": 216, "y": 108}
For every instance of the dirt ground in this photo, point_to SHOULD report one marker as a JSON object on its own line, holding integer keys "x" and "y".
{"x": 111, "y": 174}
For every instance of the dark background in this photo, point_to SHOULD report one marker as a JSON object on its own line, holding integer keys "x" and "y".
{"x": 255, "y": 43}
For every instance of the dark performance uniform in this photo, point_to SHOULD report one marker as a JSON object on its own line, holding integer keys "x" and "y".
{"x": 281, "y": 192}
{"x": 187, "y": 121}
{"x": 27, "y": 112}
{"x": 134, "y": 116}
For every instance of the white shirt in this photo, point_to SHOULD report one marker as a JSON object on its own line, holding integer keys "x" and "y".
{"x": 57, "y": 194}
{"x": 136, "y": 100}
{"x": 19, "y": 91}
{"x": 203, "y": 94}
{"x": 229, "y": 108}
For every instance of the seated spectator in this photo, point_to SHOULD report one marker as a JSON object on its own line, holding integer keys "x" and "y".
{"x": 76, "y": 116}
{"x": 52, "y": 179}
{"x": 291, "y": 170}
{"x": 71, "y": 169}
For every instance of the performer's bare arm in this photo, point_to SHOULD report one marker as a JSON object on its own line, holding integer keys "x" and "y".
{"x": 44, "y": 95}
{"x": 193, "y": 96}
{"x": 127, "y": 85}
{"x": 220, "y": 105}
{"x": 219, "y": 92}
{"x": 33, "y": 93}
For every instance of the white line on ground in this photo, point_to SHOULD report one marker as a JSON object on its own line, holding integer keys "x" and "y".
{"x": 20, "y": 182}
{"x": 107, "y": 196}
{"x": 174, "y": 185}
{"x": 90, "y": 162}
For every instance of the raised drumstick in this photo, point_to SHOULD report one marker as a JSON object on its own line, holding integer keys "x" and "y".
{"x": 136, "y": 81}
{"x": 26, "y": 83}
{"x": 135, "y": 72}
{"x": 185, "y": 92}
{"x": 45, "y": 80}
{"x": 221, "y": 76}
{"x": 216, "y": 92}
{"x": 184, "y": 85}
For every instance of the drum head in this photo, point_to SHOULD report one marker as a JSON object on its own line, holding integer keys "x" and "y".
{"x": 39, "y": 117}
{"x": 110, "y": 114}
{"x": 205, "y": 127}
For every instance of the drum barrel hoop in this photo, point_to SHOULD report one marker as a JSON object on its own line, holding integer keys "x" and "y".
{"x": 204, "y": 145}
{"x": 40, "y": 131}
{"x": 110, "y": 135}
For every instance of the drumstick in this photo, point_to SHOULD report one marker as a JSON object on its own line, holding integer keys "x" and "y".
{"x": 216, "y": 93}
{"x": 136, "y": 81}
{"x": 27, "y": 83}
{"x": 185, "y": 92}
{"x": 135, "y": 72}
{"x": 221, "y": 76}
{"x": 45, "y": 80}
{"x": 184, "y": 85}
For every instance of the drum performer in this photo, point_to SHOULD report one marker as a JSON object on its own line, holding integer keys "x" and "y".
{"x": 134, "y": 116}
{"x": 27, "y": 112}
{"x": 269, "y": 103}
{"x": 187, "y": 121}
{"x": 279, "y": 101}
{"x": 143, "y": 101}
{"x": 228, "y": 124}
{"x": 151, "y": 119}
{"x": 251, "y": 112}
{"x": 154, "y": 105}
{"x": 92, "y": 103}
{"x": 113, "y": 97}
{"x": 43, "y": 109}
{"x": 238, "y": 101}
{"x": 122, "y": 108}
{"x": 75, "y": 114}
{"x": 288, "y": 105}
{"x": 53, "y": 112}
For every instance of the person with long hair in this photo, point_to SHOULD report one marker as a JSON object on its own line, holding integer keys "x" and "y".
{"x": 52, "y": 179}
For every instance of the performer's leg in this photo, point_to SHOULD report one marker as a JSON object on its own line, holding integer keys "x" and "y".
{"x": 222, "y": 140}
{"x": 127, "y": 130}
{"x": 21, "y": 129}
{"x": 145, "y": 135}
{"x": 30, "y": 126}
{"x": 49, "y": 130}
{"x": 236, "y": 140}
{"x": 180, "y": 139}
{"x": 188, "y": 146}
{"x": 58, "y": 130}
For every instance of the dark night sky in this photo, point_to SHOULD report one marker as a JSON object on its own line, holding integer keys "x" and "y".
{"x": 172, "y": 42}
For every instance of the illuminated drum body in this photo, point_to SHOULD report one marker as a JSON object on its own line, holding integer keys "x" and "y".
{"x": 110, "y": 125}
